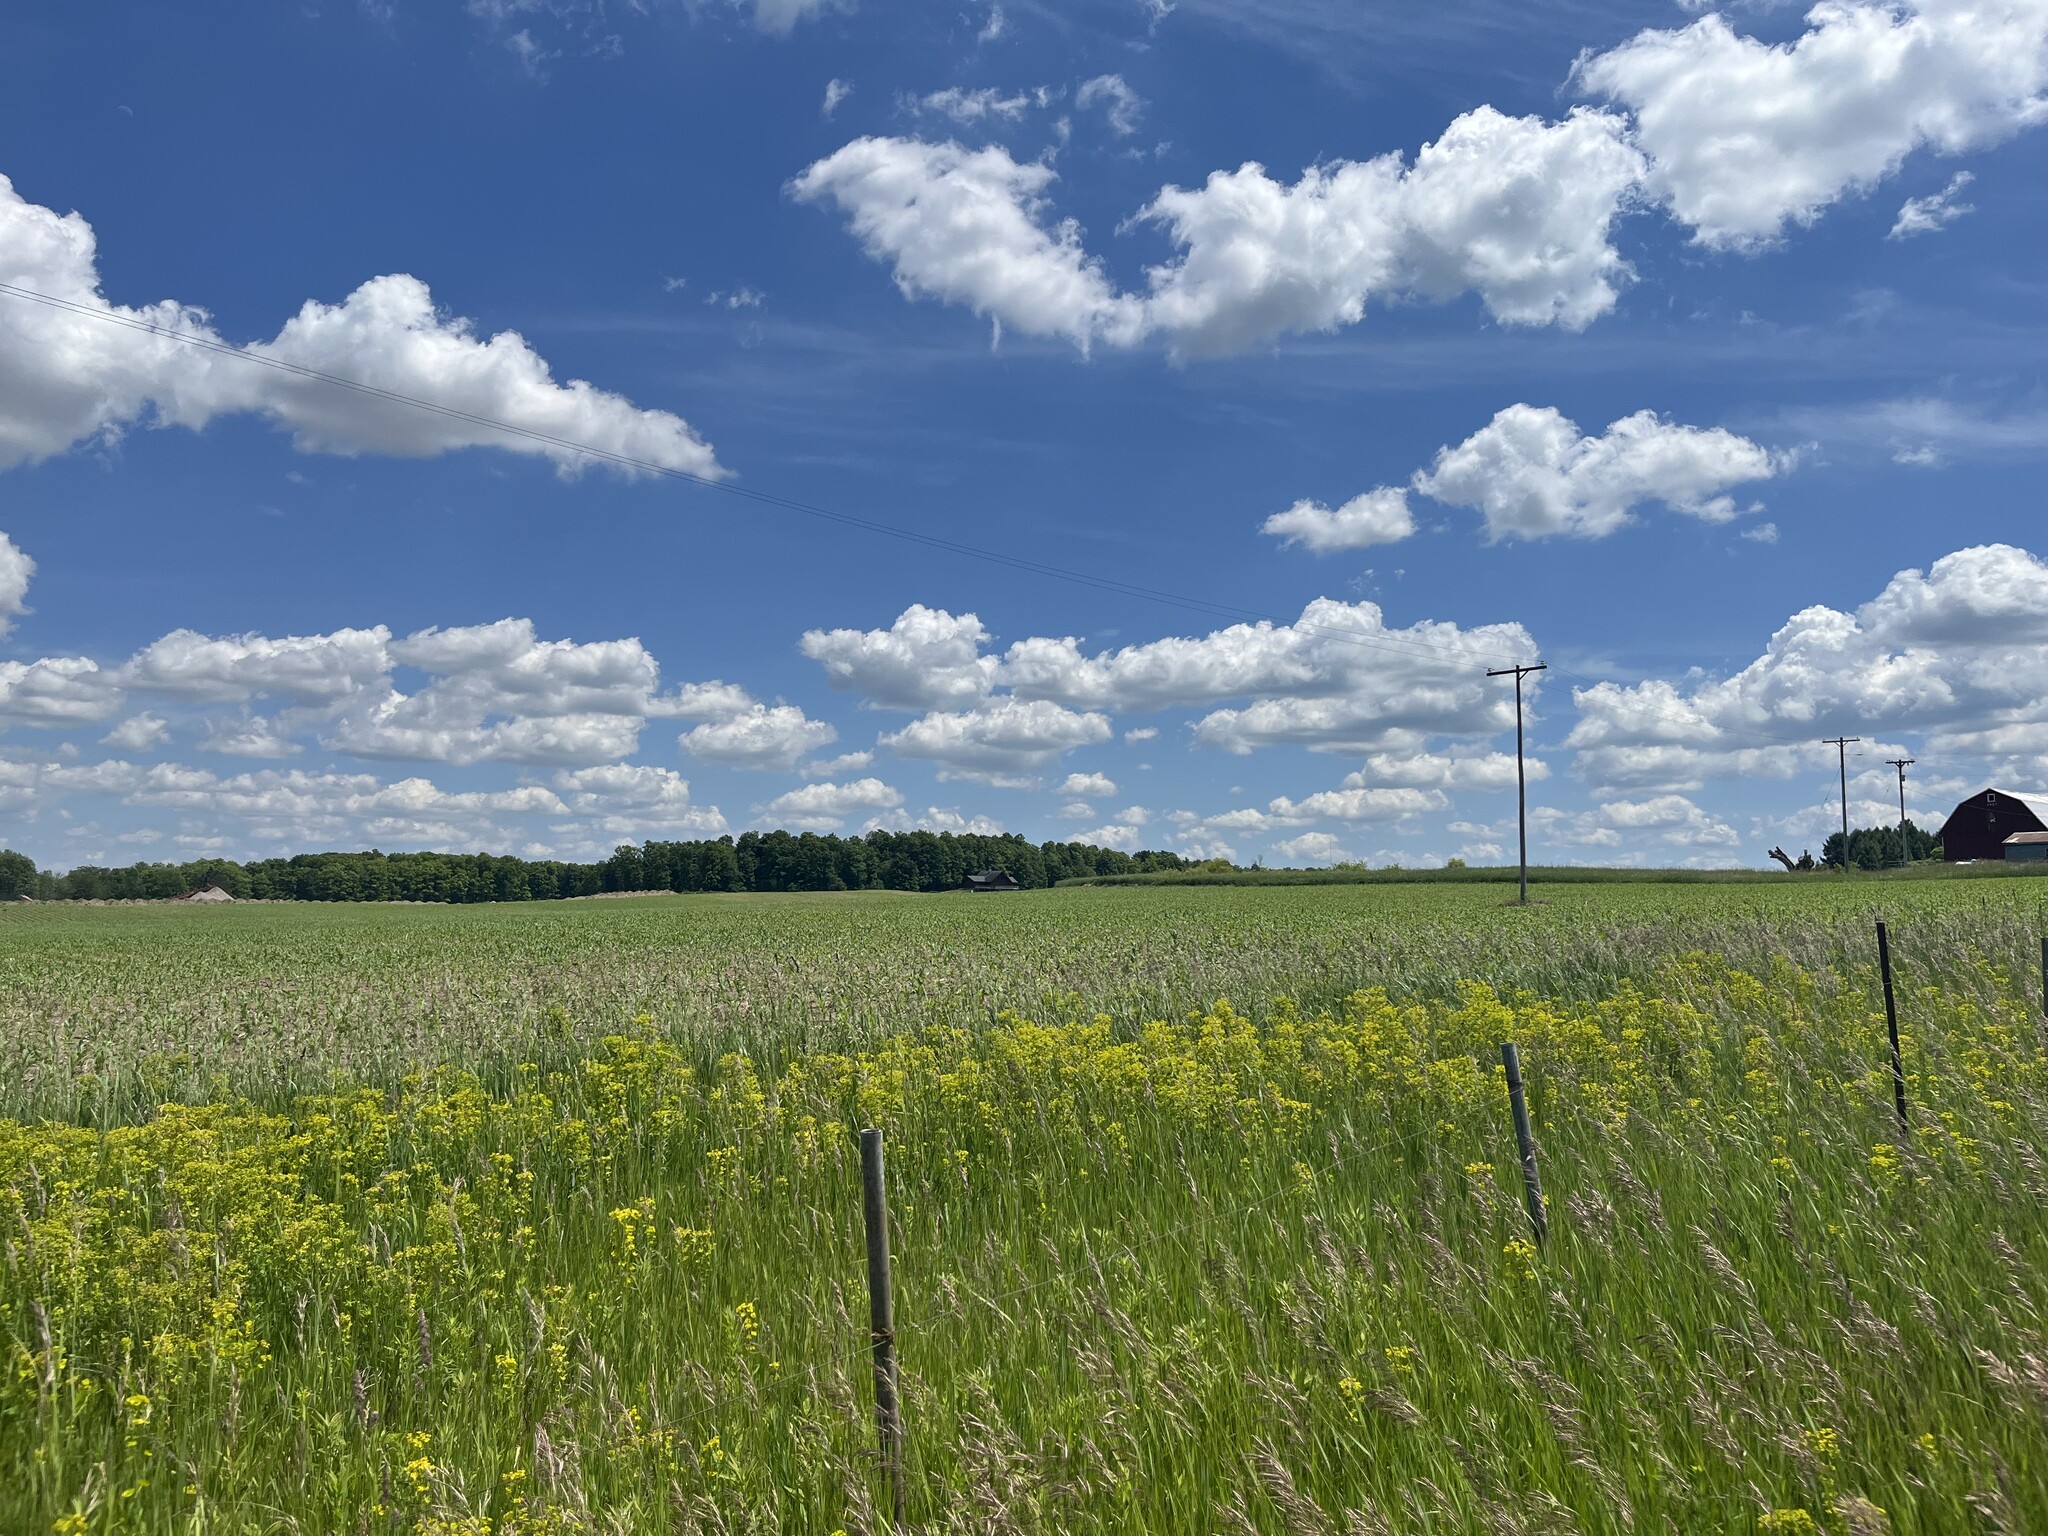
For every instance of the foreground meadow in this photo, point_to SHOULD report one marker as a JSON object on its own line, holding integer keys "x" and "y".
{"x": 548, "y": 1220}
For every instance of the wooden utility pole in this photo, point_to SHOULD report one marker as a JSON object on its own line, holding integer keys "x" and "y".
{"x": 1521, "y": 781}
{"x": 1902, "y": 764}
{"x": 1841, "y": 746}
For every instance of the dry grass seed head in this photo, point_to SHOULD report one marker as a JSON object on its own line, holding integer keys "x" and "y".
{"x": 1299, "y": 1515}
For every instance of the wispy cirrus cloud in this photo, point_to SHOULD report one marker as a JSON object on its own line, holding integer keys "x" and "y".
{"x": 1928, "y": 430}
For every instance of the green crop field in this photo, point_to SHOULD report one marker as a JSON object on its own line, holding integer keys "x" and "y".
{"x": 1207, "y": 1213}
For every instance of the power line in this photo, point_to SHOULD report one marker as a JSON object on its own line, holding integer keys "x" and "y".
{"x": 713, "y": 483}
{"x": 1386, "y": 642}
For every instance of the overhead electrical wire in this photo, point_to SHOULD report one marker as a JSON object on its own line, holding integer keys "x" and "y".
{"x": 727, "y": 487}
{"x": 1387, "y": 642}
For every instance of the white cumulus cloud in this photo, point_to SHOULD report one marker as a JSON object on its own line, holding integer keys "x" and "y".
{"x": 1334, "y": 650}
{"x": 497, "y": 692}
{"x": 1379, "y": 516}
{"x": 1338, "y": 678}
{"x": 969, "y": 227}
{"x": 1531, "y": 473}
{"x": 1747, "y": 137}
{"x": 492, "y": 693}
{"x": 934, "y": 818}
{"x": 1112, "y": 835}
{"x": 1438, "y": 770}
{"x": 1312, "y": 849}
{"x": 1001, "y": 739}
{"x": 1957, "y": 653}
{"x": 1518, "y": 210}
{"x": 57, "y": 690}
{"x": 300, "y": 669}
{"x": 68, "y": 376}
{"x": 764, "y": 736}
{"x": 249, "y": 736}
{"x": 138, "y": 733}
{"x": 1356, "y": 805}
{"x": 1736, "y": 137}
{"x": 1091, "y": 786}
{"x": 927, "y": 659}
{"x": 635, "y": 799}
{"x": 832, "y": 767}
{"x": 825, "y": 807}
{"x": 1671, "y": 821}
{"x": 15, "y": 570}
{"x": 300, "y": 796}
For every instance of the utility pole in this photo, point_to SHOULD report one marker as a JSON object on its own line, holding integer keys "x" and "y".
{"x": 1902, "y": 764}
{"x": 1841, "y": 746}
{"x": 1521, "y": 781}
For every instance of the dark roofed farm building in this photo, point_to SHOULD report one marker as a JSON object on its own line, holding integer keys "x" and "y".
{"x": 993, "y": 880}
{"x": 1978, "y": 828}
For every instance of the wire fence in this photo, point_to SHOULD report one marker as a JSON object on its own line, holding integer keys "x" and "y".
{"x": 932, "y": 1329}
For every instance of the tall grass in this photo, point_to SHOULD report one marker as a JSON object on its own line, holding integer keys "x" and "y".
{"x": 1216, "y": 1271}
{"x": 107, "y": 1011}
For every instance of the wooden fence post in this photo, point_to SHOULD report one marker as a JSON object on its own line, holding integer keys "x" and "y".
{"x": 882, "y": 1316}
{"x": 1532, "y": 1181}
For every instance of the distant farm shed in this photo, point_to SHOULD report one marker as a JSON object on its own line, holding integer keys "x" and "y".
{"x": 1978, "y": 828}
{"x": 993, "y": 880}
{"x": 207, "y": 893}
{"x": 2027, "y": 848}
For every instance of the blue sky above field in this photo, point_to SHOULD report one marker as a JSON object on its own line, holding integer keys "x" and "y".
{"x": 1697, "y": 354}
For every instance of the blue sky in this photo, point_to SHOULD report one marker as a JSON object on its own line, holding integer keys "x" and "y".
{"x": 1698, "y": 354}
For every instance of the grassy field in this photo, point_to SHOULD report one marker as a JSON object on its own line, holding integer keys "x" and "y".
{"x": 546, "y": 1219}
{"x": 1568, "y": 874}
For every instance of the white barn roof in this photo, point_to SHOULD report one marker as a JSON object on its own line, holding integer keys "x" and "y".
{"x": 2038, "y": 804}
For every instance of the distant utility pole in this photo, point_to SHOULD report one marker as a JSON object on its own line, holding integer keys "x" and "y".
{"x": 1841, "y": 746}
{"x": 1902, "y": 764}
{"x": 1521, "y": 782}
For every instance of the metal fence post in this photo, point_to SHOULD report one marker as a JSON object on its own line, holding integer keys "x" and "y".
{"x": 1532, "y": 1182}
{"x": 1891, "y": 1024}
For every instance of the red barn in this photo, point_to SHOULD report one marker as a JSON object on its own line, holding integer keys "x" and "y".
{"x": 1978, "y": 828}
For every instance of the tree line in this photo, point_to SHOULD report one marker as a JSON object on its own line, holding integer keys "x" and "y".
{"x": 754, "y": 861}
{"x": 1880, "y": 848}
